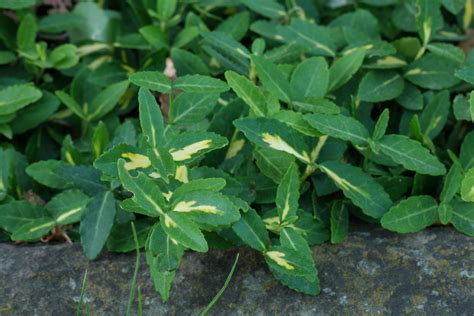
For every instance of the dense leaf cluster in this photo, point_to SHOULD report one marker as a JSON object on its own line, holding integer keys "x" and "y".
{"x": 234, "y": 123}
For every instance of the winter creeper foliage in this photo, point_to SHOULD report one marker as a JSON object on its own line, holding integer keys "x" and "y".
{"x": 234, "y": 123}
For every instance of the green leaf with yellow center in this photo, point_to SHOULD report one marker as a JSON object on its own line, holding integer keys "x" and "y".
{"x": 151, "y": 119}
{"x": 358, "y": 186}
{"x": 182, "y": 229}
{"x": 206, "y": 208}
{"x": 291, "y": 262}
{"x": 190, "y": 146}
{"x": 146, "y": 193}
{"x": 271, "y": 133}
{"x": 288, "y": 193}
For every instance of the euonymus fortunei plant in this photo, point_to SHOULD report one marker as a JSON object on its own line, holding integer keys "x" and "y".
{"x": 234, "y": 123}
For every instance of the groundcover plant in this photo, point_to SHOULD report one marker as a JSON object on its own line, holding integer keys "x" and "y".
{"x": 233, "y": 123}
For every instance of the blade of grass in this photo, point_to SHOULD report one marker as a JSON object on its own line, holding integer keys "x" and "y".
{"x": 133, "y": 287}
{"x": 140, "y": 307}
{"x": 221, "y": 291}
{"x": 81, "y": 297}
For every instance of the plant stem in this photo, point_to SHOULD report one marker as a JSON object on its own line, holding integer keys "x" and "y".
{"x": 133, "y": 287}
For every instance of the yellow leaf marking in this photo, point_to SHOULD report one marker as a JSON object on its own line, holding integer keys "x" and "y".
{"x": 169, "y": 222}
{"x": 190, "y": 206}
{"x": 276, "y": 142}
{"x": 168, "y": 195}
{"x": 182, "y": 174}
{"x": 390, "y": 60}
{"x": 154, "y": 175}
{"x": 234, "y": 148}
{"x": 278, "y": 257}
{"x": 68, "y": 214}
{"x": 136, "y": 161}
{"x": 45, "y": 225}
{"x": 344, "y": 183}
{"x": 188, "y": 151}
{"x": 286, "y": 209}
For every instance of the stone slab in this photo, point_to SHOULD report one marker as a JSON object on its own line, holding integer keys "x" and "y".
{"x": 373, "y": 272}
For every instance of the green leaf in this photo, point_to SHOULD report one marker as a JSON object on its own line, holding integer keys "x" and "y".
{"x": 26, "y": 35}
{"x": 189, "y": 107}
{"x": 466, "y": 73}
{"x": 310, "y": 79}
{"x": 273, "y": 163}
{"x": 236, "y": 25}
{"x": 342, "y": 70}
{"x": 35, "y": 114}
{"x": 432, "y": 72}
{"x": 16, "y": 4}
{"x": 449, "y": 51}
{"x": 14, "y": 98}
{"x": 411, "y": 98}
{"x": 381, "y": 125}
{"x": 165, "y": 9}
{"x": 59, "y": 22}
{"x": 268, "y": 8}
{"x": 288, "y": 194}
{"x": 190, "y": 146}
{"x": 69, "y": 101}
{"x": 363, "y": 191}
{"x": 100, "y": 139}
{"x": 411, "y": 155}
{"x": 15, "y": 214}
{"x": 466, "y": 155}
{"x": 251, "y": 229}
{"x": 380, "y": 85}
{"x": 339, "y": 222}
{"x": 290, "y": 239}
{"x": 184, "y": 231}
{"x": 151, "y": 119}
{"x": 188, "y": 63}
{"x": 64, "y": 57}
{"x": 46, "y": 172}
{"x": 270, "y": 133}
{"x": 135, "y": 159}
{"x": 67, "y": 207}
{"x": 206, "y": 208}
{"x": 106, "y": 100}
{"x": 316, "y": 105}
{"x": 463, "y": 217}
{"x": 152, "y": 80}
{"x": 209, "y": 184}
{"x": 467, "y": 186}
{"x": 36, "y": 229}
{"x": 163, "y": 162}
{"x": 314, "y": 38}
{"x": 96, "y": 223}
{"x": 247, "y": 91}
{"x": 84, "y": 177}
{"x": 272, "y": 78}
{"x": 411, "y": 215}
{"x": 230, "y": 53}
{"x": 200, "y": 84}
{"x": 340, "y": 126}
{"x": 6, "y": 57}
{"x": 297, "y": 121}
{"x": 445, "y": 213}
{"x": 452, "y": 183}
{"x": 146, "y": 193}
{"x": 282, "y": 260}
{"x": 434, "y": 116}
